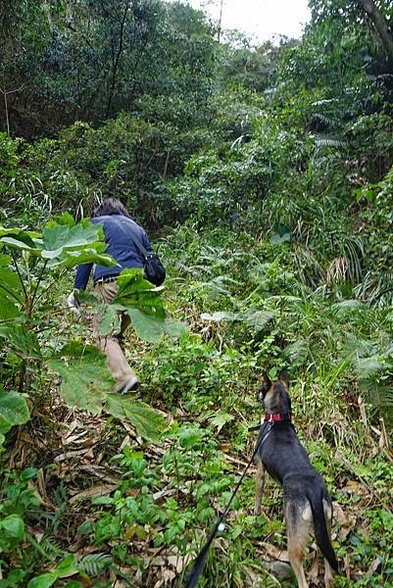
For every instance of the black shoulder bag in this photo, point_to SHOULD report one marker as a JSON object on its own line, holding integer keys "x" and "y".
{"x": 154, "y": 270}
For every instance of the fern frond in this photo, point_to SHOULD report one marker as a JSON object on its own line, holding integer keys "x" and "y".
{"x": 50, "y": 546}
{"x": 376, "y": 289}
{"x": 61, "y": 495}
{"x": 380, "y": 395}
{"x": 325, "y": 101}
{"x": 363, "y": 348}
{"x": 354, "y": 252}
{"x": 325, "y": 119}
{"x": 321, "y": 141}
{"x": 237, "y": 142}
{"x": 297, "y": 353}
{"x": 258, "y": 319}
{"x": 384, "y": 77}
{"x": 95, "y": 563}
{"x": 309, "y": 268}
{"x": 218, "y": 285}
{"x": 47, "y": 548}
{"x": 368, "y": 367}
{"x": 347, "y": 304}
{"x": 383, "y": 396}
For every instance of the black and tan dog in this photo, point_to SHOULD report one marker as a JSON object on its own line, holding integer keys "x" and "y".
{"x": 307, "y": 504}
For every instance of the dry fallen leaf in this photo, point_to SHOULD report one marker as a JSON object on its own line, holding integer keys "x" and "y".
{"x": 352, "y": 486}
{"x": 346, "y": 521}
{"x": 374, "y": 566}
{"x": 93, "y": 492}
{"x": 166, "y": 577}
{"x": 275, "y": 552}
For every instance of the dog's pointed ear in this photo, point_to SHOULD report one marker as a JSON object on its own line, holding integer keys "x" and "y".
{"x": 266, "y": 381}
{"x": 283, "y": 377}
{"x": 264, "y": 388}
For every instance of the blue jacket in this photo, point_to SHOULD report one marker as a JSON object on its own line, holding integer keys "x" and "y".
{"x": 117, "y": 230}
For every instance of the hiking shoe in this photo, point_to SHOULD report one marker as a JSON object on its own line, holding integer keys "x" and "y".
{"x": 131, "y": 385}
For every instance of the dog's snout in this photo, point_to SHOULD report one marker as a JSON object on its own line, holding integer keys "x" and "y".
{"x": 262, "y": 391}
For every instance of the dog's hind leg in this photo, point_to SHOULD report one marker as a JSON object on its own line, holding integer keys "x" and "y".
{"x": 259, "y": 485}
{"x": 329, "y": 572}
{"x": 328, "y": 576}
{"x": 298, "y": 529}
{"x": 296, "y": 548}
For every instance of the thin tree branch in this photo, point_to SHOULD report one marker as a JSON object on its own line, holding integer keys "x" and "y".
{"x": 116, "y": 62}
{"x": 5, "y": 94}
{"x": 3, "y": 91}
{"x": 19, "y": 274}
{"x": 38, "y": 282}
{"x": 381, "y": 25}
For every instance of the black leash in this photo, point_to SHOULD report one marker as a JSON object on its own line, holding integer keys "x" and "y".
{"x": 200, "y": 560}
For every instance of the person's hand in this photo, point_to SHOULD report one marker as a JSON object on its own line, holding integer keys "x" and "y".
{"x": 73, "y": 304}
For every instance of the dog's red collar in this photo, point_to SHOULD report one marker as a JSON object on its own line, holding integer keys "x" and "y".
{"x": 277, "y": 416}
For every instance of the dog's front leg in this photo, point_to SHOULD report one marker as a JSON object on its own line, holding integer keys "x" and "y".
{"x": 259, "y": 485}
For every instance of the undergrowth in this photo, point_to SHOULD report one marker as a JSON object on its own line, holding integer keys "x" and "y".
{"x": 111, "y": 508}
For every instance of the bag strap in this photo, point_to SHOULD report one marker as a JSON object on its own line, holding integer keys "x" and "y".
{"x": 139, "y": 246}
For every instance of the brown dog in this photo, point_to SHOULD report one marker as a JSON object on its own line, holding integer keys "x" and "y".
{"x": 307, "y": 504}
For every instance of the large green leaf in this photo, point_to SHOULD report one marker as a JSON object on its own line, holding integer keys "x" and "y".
{"x": 85, "y": 377}
{"x": 87, "y": 255}
{"x": 43, "y": 581}
{"x": 132, "y": 279}
{"x": 149, "y": 303}
{"x": 13, "y": 410}
{"x": 19, "y": 239}
{"x": 64, "y": 243}
{"x": 65, "y": 568}
{"x": 70, "y": 244}
{"x": 145, "y": 307}
{"x": 21, "y": 340}
{"x": 222, "y": 315}
{"x": 174, "y": 328}
{"x": 148, "y": 422}
{"x": 8, "y": 310}
{"x": 110, "y": 322}
{"x": 255, "y": 318}
{"x": 12, "y": 527}
{"x": 10, "y": 289}
{"x": 134, "y": 288}
{"x": 5, "y": 260}
{"x": 147, "y": 327}
{"x": 57, "y": 237}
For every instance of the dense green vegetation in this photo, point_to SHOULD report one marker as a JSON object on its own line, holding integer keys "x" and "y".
{"x": 264, "y": 176}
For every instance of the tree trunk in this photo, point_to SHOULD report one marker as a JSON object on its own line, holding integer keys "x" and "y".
{"x": 116, "y": 61}
{"x": 381, "y": 25}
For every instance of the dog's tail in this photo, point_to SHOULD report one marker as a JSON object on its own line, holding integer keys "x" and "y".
{"x": 320, "y": 529}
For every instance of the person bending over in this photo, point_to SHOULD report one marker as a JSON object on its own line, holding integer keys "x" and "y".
{"x": 119, "y": 231}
